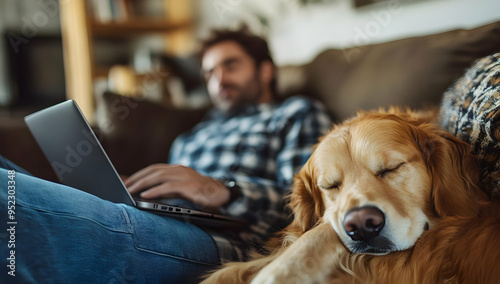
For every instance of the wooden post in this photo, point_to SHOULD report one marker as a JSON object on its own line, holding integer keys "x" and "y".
{"x": 180, "y": 42}
{"x": 78, "y": 61}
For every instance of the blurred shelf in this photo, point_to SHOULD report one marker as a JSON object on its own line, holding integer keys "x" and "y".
{"x": 81, "y": 29}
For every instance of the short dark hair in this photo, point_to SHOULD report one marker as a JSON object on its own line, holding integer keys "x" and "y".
{"x": 255, "y": 46}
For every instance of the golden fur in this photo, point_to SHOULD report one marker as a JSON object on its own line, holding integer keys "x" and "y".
{"x": 440, "y": 227}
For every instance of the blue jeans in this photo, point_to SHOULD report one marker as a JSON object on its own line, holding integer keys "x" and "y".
{"x": 62, "y": 235}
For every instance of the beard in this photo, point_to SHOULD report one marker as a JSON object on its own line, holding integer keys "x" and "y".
{"x": 233, "y": 96}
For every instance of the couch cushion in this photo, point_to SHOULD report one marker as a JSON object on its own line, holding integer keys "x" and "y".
{"x": 471, "y": 111}
{"x": 411, "y": 72}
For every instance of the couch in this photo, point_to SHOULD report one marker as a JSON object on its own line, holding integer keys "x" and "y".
{"x": 412, "y": 72}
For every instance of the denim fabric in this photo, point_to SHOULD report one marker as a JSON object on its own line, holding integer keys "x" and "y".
{"x": 64, "y": 235}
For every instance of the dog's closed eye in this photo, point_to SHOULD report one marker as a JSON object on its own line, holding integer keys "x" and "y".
{"x": 330, "y": 186}
{"x": 384, "y": 171}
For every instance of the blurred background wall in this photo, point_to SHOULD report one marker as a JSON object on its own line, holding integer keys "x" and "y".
{"x": 297, "y": 31}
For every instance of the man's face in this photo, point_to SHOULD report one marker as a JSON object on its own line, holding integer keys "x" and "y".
{"x": 231, "y": 76}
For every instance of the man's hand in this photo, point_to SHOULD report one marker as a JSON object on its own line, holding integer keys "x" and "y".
{"x": 175, "y": 181}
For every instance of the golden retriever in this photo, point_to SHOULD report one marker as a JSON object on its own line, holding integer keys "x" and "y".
{"x": 386, "y": 197}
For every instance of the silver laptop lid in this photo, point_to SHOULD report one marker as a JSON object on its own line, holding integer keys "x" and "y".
{"x": 75, "y": 153}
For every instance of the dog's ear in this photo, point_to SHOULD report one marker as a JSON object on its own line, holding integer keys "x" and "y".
{"x": 454, "y": 172}
{"x": 306, "y": 201}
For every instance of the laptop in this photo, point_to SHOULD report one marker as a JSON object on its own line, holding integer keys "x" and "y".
{"x": 79, "y": 161}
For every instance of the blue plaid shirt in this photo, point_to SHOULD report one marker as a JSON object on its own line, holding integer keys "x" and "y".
{"x": 260, "y": 147}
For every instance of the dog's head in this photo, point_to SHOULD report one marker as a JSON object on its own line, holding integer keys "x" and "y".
{"x": 382, "y": 179}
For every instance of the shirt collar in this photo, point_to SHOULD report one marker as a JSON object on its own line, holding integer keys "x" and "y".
{"x": 245, "y": 110}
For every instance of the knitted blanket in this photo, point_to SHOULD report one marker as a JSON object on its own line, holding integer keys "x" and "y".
{"x": 471, "y": 111}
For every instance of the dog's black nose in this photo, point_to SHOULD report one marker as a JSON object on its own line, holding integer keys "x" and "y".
{"x": 364, "y": 223}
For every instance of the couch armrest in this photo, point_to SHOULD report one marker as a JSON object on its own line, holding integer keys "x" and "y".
{"x": 18, "y": 145}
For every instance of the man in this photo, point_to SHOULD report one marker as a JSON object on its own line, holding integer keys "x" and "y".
{"x": 239, "y": 161}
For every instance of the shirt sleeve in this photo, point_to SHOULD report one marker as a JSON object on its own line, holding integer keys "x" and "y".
{"x": 260, "y": 200}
